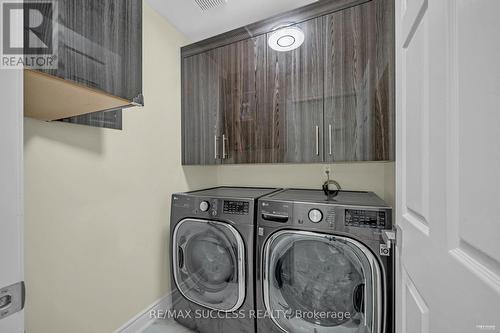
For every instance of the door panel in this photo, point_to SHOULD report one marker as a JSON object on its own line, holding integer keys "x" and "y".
{"x": 478, "y": 131}
{"x": 417, "y": 124}
{"x": 416, "y": 312}
{"x": 247, "y": 126}
{"x": 306, "y": 272}
{"x": 11, "y": 191}
{"x": 201, "y": 105}
{"x": 447, "y": 166}
{"x": 208, "y": 264}
{"x": 294, "y": 98}
{"x": 359, "y": 85}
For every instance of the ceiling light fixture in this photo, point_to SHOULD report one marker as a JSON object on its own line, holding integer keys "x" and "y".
{"x": 286, "y": 39}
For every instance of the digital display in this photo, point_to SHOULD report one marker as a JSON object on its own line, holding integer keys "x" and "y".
{"x": 364, "y": 218}
{"x": 236, "y": 207}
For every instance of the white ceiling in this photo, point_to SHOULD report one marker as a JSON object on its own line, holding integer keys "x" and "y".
{"x": 196, "y": 24}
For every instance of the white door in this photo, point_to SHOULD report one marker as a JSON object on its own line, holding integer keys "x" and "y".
{"x": 11, "y": 202}
{"x": 448, "y": 166}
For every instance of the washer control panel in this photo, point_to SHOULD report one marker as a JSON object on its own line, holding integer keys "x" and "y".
{"x": 365, "y": 218}
{"x": 233, "y": 207}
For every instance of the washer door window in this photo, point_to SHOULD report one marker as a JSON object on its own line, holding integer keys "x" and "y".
{"x": 321, "y": 283}
{"x": 208, "y": 264}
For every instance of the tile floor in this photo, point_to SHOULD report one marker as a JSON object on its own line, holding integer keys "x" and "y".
{"x": 166, "y": 326}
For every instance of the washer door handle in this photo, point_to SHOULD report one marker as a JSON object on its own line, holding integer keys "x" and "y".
{"x": 277, "y": 273}
{"x": 275, "y": 217}
{"x": 358, "y": 297}
{"x": 180, "y": 257}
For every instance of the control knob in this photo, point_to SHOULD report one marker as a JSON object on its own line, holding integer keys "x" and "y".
{"x": 315, "y": 215}
{"x": 204, "y": 206}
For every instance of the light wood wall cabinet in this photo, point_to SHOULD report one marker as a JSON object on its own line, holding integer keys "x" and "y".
{"x": 99, "y": 65}
{"x": 331, "y": 99}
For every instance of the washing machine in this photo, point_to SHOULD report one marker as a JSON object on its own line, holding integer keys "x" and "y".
{"x": 212, "y": 244}
{"x": 324, "y": 264}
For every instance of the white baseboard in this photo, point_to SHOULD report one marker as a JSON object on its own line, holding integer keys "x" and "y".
{"x": 143, "y": 319}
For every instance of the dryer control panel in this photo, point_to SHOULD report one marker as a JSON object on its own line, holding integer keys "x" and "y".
{"x": 234, "y": 207}
{"x": 365, "y": 218}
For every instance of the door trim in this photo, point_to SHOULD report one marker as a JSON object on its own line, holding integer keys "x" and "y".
{"x": 12, "y": 190}
{"x": 380, "y": 302}
{"x": 241, "y": 263}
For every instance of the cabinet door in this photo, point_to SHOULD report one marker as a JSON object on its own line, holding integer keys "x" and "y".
{"x": 246, "y": 125}
{"x": 359, "y": 83}
{"x": 294, "y": 98}
{"x": 100, "y": 46}
{"x": 201, "y": 116}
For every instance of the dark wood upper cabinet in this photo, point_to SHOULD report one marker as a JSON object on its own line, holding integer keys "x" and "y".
{"x": 223, "y": 104}
{"x": 100, "y": 45}
{"x": 294, "y": 98}
{"x": 359, "y": 84}
{"x": 201, "y": 105}
{"x": 246, "y": 123}
{"x": 99, "y": 50}
{"x": 331, "y": 99}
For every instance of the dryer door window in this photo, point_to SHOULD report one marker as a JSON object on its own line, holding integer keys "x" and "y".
{"x": 321, "y": 283}
{"x": 208, "y": 264}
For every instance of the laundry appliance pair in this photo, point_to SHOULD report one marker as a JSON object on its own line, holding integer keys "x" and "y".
{"x": 271, "y": 260}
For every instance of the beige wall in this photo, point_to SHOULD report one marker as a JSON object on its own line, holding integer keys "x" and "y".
{"x": 376, "y": 177}
{"x": 97, "y": 201}
{"x": 97, "y": 204}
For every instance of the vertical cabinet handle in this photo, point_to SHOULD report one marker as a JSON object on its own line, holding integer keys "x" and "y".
{"x": 330, "y": 138}
{"x": 224, "y": 151}
{"x": 317, "y": 140}
{"x": 216, "y": 142}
